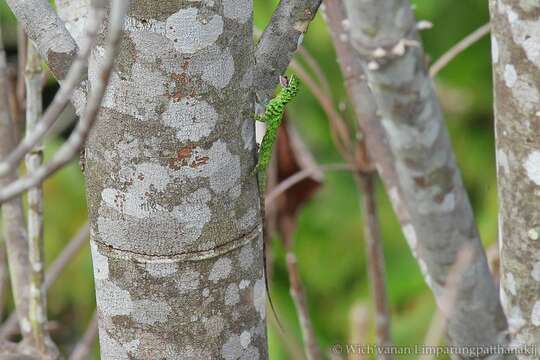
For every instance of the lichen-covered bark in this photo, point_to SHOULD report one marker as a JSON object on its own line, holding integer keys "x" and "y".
{"x": 515, "y": 46}
{"x": 384, "y": 36}
{"x": 174, "y": 211}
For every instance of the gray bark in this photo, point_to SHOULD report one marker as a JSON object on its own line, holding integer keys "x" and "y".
{"x": 49, "y": 33}
{"x": 279, "y": 42}
{"x": 13, "y": 224}
{"x": 74, "y": 14}
{"x": 516, "y": 76}
{"x": 174, "y": 211}
{"x": 440, "y": 219}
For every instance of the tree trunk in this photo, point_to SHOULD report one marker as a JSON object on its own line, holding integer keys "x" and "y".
{"x": 516, "y": 76}
{"x": 174, "y": 211}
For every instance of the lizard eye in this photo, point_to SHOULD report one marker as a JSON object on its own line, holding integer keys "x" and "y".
{"x": 284, "y": 81}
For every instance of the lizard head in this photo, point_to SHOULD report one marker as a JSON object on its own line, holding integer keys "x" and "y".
{"x": 283, "y": 81}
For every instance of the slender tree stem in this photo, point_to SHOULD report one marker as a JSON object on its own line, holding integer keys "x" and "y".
{"x": 84, "y": 346}
{"x": 458, "y": 48}
{"x": 70, "y": 85}
{"x": 37, "y": 307}
{"x": 13, "y": 225}
{"x": 9, "y": 327}
{"x": 303, "y": 174}
{"x": 372, "y": 234}
{"x": 311, "y": 347}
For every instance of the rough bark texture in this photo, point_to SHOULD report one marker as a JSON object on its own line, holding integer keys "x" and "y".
{"x": 441, "y": 221}
{"x": 43, "y": 25}
{"x": 174, "y": 212}
{"x": 516, "y": 62}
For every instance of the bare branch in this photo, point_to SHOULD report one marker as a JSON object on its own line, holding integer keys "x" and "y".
{"x": 45, "y": 28}
{"x": 37, "y": 307}
{"x": 53, "y": 272}
{"x": 79, "y": 135}
{"x": 364, "y": 104}
{"x": 359, "y": 321}
{"x": 458, "y": 48}
{"x": 440, "y": 216}
{"x": 340, "y": 132}
{"x": 301, "y": 175}
{"x": 312, "y": 349}
{"x": 22, "y": 41}
{"x": 84, "y": 346}
{"x": 316, "y": 68}
{"x": 14, "y": 226}
{"x": 372, "y": 234}
{"x": 279, "y": 41}
{"x": 3, "y": 275}
{"x": 61, "y": 99}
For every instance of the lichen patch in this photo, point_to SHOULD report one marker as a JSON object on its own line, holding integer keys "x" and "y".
{"x": 532, "y": 166}
{"x": 494, "y": 50}
{"x": 238, "y": 10}
{"x": 100, "y": 262}
{"x": 221, "y": 269}
{"x": 192, "y": 119}
{"x": 535, "y": 314}
{"x": 259, "y": 297}
{"x": 113, "y": 300}
{"x": 214, "y": 65}
{"x": 189, "y": 33}
{"x": 510, "y": 283}
{"x": 510, "y": 75}
{"x": 150, "y": 311}
{"x": 160, "y": 269}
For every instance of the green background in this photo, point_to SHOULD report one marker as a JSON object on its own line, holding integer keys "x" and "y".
{"x": 329, "y": 240}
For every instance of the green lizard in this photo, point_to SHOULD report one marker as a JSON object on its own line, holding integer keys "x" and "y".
{"x": 272, "y": 116}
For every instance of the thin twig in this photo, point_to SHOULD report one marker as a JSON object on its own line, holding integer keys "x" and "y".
{"x": 290, "y": 344}
{"x": 37, "y": 307}
{"x": 299, "y": 298}
{"x": 22, "y": 41}
{"x": 9, "y": 327}
{"x": 372, "y": 234}
{"x": 316, "y": 68}
{"x": 76, "y": 140}
{"x": 457, "y": 49}
{"x": 14, "y": 227}
{"x": 84, "y": 346}
{"x": 359, "y": 328}
{"x": 61, "y": 99}
{"x": 3, "y": 275}
{"x": 301, "y": 175}
{"x": 338, "y": 127}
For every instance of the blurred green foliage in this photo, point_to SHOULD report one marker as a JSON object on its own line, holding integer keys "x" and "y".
{"x": 329, "y": 239}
